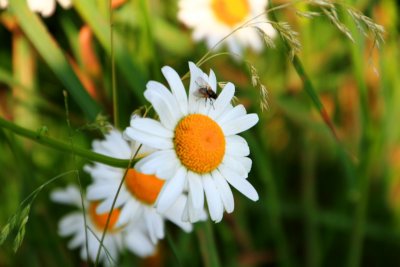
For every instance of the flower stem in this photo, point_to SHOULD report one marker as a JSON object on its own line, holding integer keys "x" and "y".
{"x": 41, "y": 138}
{"x": 207, "y": 245}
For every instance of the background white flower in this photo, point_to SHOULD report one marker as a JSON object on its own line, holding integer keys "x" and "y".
{"x": 212, "y": 20}
{"x": 199, "y": 148}
{"x": 44, "y": 7}
{"x": 3, "y": 3}
{"x": 132, "y": 236}
{"x": 138, "y": 193}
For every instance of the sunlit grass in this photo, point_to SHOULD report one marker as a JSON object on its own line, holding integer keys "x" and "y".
{"x": 325, "y": 153}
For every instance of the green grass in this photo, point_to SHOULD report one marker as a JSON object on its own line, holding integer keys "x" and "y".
{"x": 326, "y": 155}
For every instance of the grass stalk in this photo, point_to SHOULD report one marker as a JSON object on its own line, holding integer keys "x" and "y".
{"x": 208, "y": 248}
{"x": 41, "y": 138}
{"x": 312, "y": 244}
{"x": 113, "y": 78}
{"x": 263, "y": 168}
{"x": 127, "y": 167}
{"x": 367, "y": 145}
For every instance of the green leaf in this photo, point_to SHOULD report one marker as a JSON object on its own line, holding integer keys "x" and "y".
{"x": 52, "y": 54}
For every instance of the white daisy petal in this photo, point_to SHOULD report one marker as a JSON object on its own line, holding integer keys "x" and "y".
{"x": 156, "y": 161}
{"x": 246, "y": 162}
{"x": 140, "y": 244}
{"x": 212, "y": 80}
{"x": 222, "y": 101}
{"x": 224, "y": 190}
{"x": 149, "y": 218}
{"x": 185, "y": 214}
{"x": 70, "y": 223}
{"x": 105, "y": 205}
{"x": 194, "y": 213}
{"x": 168, "y": 169}
{"x": 241, "y": 184}
{"x": 231, "y": 114}
{"x": 196, "y": 192}
{"x": 195, "y": 74}
{"x": 149, "y": 139}
{"x": 102, "y": 172}
{"x": 235, "y": 148}
{"x": 177, "y": 88}
{"x": 171, "y": 190}
{"x": 127, "y": 210}
{"x": 76, "y": 241}
{"x": 70, "y": 195}
{"x": 240, "y": 124}
{"x": 175, "y": 212}
{"x": 152, "y": 126}
{"x": 214, "y": 201}
{"x": 163, "y": 103}
{"x": 235, "y": 165}
{"x": 98, "y": 191}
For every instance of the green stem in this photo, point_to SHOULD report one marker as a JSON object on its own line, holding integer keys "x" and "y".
{"x": 113, "y": 205}
{"x": 207, "y": 245}
{"x": 113, "y": 79}
{"x": 309, "y": 204}
{"x": 367, "y": 150}
{"x": 40, "y": 138}
{"x": 262, "y": 166}
{"x": 148, "y": 39}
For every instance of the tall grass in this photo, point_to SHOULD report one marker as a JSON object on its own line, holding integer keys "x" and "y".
{"x": 326, "y": 152}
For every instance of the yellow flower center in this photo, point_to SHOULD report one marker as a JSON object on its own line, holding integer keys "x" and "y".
{"x": 100, "y": 220}
{"x": 143, "y": 187}
{"x": 230, "y": 12}
{"x": 199, "y": 143}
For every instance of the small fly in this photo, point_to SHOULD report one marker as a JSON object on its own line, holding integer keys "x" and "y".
{"x": 205, "y": 91}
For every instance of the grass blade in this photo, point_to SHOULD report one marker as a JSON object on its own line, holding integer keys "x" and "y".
{"x": 52, "y": 54}
{"x": 124, "y": 61}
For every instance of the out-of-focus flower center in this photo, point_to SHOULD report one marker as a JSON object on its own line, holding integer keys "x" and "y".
{"x": 230, "y": 12}
{"x": 143, "y": 187}
{"x": 199, "y": 143}
{"x": 100, "y": 220}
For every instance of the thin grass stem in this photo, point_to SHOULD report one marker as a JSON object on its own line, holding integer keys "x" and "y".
{"x": 41, "y": 138}
{"x": 113, "y": 204}
{"x": 113, "y": 78}
{"x": 71, "y": 140}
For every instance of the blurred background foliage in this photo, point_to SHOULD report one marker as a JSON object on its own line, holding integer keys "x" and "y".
{"x": 322, "y": 202}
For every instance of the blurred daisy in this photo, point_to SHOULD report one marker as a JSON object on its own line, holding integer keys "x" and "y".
{"x": 198, "y": 146}
{"x": 138, "y": 193}
{"x": 3, "y": 3}
{"x": 212, "y": 20}
{"x": 131, "y": 236}
{"x": 44, "y": 7}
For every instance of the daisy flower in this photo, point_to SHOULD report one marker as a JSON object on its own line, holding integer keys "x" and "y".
{"x": 44, "y": 7}
{"x": 213, "y": 20}
{"x": 197, "y": 142}
{"x": 3, "y": 3}
{"x": 132, "y": 236}
{"x": 138, "y": 193}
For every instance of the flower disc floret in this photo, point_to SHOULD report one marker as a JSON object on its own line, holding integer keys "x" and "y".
{"x": 230, "y": 12}
{"x": 199, "y": 143}
{"x": 100, "y": 220}
{"x": 144, "y": 187}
